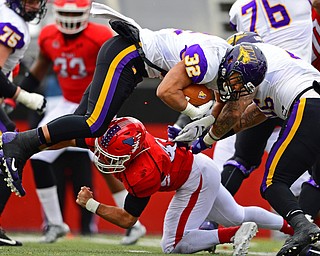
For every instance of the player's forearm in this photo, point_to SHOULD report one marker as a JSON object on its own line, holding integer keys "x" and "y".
{"x": 228, "y": 117}
{"x": 218, "y": 105}
{"x": 116, "y": 215}
{"x": 232, "y": 121}
{"x": 170, "y": 89}
{"x": 252, "y": 116}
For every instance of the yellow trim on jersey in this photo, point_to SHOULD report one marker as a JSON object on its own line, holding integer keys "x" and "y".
{"x": 106, "y": 84}
{"x": 287, "y": 141}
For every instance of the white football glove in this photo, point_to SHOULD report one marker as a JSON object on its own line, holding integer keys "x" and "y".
{"x": 198, "y": 112}
{"x": 195, "y": 129}
{"x": 33, "y": 101}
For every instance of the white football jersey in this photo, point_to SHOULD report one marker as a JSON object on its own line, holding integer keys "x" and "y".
{"x": 165, "y": 48}
{"x": 278, "y": 22}
{"x": 286, "y": 77}
{"x": 14, "y": 33}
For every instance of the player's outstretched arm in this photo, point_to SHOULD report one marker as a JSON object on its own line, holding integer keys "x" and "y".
{"x": 113, "y": 214}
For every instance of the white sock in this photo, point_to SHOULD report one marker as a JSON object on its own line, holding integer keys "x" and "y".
{"x": 50, "y": 204}
{"x": 119, "y": 197}
{"x": 137, "y": 224}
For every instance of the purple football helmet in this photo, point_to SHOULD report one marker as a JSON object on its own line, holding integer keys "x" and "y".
{"x": 244, "y": 37}
{"x": 18, "y": 6}
{"x": 249, "y": 61}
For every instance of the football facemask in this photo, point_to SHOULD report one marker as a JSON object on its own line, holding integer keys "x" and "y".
{"x": 19, "y": 7}
{"x": 71, "y": 16}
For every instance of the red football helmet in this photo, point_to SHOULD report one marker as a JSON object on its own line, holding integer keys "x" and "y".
{"x": 72, "y": 16}
{"x": 122, "y": 142}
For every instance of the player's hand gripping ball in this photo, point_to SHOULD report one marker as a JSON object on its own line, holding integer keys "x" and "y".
{"x": 198, "y": 94}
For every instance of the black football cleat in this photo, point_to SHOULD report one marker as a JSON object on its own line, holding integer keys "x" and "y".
{"x": 17, "y": 149}
{"x": 305, "y": 235}
{"x": 6, "y": 241}
{"x": 15, "y": 158}
{"x": 311, "y": 250}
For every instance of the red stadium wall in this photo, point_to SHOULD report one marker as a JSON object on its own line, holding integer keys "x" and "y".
{"x": 24, "y": 214}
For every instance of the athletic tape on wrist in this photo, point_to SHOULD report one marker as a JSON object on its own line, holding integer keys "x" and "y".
{"x": 92, "y": 205}
{"x": 190, "y": 111}
{"x": 210, "y": 138}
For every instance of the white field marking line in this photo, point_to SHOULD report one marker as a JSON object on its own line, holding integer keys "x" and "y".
{"x": 136, "y": 251}
{"x": 150, "y": 242}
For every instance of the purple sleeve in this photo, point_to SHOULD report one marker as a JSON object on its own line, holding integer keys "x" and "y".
{"x": 196, "y": 63}
{"x": 11, "y": 36}
{"x": 233, "y": 26}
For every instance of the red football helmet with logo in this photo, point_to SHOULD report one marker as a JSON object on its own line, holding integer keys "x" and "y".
{"x": 122, "y": 142}
{"x": 72, "y": 16}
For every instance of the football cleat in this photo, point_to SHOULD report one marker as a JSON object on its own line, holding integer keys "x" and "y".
{"x": 8, "y": 177}
{"x": 6, "y": 241}
{"x": 133, "y": 234}
{"x": 10, "y": 170}
{"x": 311, "y": 250}
{"x": 17, "y": 148}
{"x": 53, "y": 232}
{"x": 243, "y": 237}
{"x": 302, "y": 237}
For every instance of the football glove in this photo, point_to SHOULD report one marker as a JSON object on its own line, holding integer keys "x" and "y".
{"x": 195, "y": 129}
{"x": 34, "y": 101}
{"x": 198, "y": 112}
{"x": 173, "y": 133}
{"x": 198, "y": 146}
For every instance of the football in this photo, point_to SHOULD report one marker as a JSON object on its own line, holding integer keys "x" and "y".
{"x": 198, "y": 94}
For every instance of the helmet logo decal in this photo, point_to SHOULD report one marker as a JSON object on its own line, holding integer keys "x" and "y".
{"x": 134, "y": 142}
{"x": 247, "y": 54}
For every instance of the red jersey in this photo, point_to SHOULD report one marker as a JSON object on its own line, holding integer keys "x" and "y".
{"x": 163, "y": 167}
{"x": 316, "y": 40}
{"x": 73, "y": 58}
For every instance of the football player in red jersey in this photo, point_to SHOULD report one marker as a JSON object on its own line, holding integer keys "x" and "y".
{"x": 146, "y": 165}
{"x": 71, "y": 47}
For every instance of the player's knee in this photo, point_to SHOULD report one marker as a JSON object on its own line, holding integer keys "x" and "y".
{"x": 241, "y": 165}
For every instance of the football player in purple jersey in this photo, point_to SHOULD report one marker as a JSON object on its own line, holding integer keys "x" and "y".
{"x": 179, "y": 57}
{"x": 14, "y": 41}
